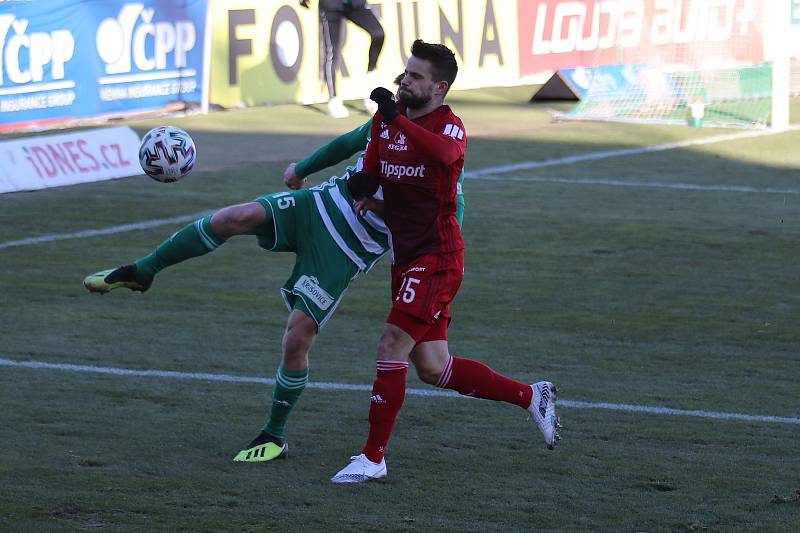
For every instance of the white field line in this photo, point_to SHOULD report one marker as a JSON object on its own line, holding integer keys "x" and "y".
{"x": 167, "y": 374}
{"x": 147, "y": 224}
{"x": 592, "y": 156}
{"x": 641, "y": 184}
{"x": 489, "y": 173}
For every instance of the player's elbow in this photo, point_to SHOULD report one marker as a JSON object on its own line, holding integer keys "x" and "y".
{"x": 449, "y": 155}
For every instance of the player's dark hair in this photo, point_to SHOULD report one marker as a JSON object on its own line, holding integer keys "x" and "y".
{"x": 399, "y": 78}
{"x": 441, "y": 58}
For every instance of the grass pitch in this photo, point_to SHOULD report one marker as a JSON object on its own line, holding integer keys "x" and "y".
{"x": 659, "y": 279}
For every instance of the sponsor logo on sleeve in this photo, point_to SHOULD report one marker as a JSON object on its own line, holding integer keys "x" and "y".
{"x": 454, "y": 131}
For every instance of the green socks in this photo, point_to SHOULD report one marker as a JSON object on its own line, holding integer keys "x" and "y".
{"x": 288, "y": 387}
{"x": 193, "y": 240}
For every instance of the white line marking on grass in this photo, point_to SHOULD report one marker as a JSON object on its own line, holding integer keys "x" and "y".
{"x": 168, "y": 374}
{"x": 592, "y": 156}
{"x": 147, "y": 224}
{"x": 642, "y": 184}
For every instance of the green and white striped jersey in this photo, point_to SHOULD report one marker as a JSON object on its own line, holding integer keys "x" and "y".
{"x": 364, "y": 239}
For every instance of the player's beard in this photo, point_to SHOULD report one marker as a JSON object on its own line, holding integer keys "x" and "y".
{"x": 413, "y": 102}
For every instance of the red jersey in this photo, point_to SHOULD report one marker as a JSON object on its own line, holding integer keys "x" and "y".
{"x": 418, "y": 163}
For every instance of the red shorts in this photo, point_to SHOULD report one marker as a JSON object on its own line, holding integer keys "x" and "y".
{"x": 422, "y": 290}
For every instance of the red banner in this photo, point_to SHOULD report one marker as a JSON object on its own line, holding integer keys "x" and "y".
{"x": 558, "y": 34}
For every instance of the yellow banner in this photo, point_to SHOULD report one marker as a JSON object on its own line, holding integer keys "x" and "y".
{"x": 486, "y": 55}
{"x": 263, "y": 52}
{"x": 268, "y": 51}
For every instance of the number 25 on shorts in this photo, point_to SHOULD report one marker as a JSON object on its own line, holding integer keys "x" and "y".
{"x": 407, "y": 292}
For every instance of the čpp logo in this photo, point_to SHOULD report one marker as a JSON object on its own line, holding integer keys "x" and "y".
{"x": 134, "y": 40}
{"x": 26, "y": 57}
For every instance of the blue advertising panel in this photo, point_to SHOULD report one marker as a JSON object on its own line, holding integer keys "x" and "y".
{"x": 63, "y": 59}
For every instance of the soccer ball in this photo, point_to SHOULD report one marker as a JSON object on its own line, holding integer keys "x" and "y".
{"x": 167, "y": 153}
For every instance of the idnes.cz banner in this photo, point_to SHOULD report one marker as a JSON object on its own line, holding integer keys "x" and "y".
{"x": 40, "y": 162}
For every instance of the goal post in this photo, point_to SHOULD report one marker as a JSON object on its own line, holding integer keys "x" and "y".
{"x": 723, "y": 63}
{"x": 776, "y": 43}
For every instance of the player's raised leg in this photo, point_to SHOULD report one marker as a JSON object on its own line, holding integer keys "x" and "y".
{"x": 195, "y": 239}
{"x": 472, "y": 378}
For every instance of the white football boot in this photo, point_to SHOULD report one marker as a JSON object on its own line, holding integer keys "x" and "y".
{"x": 370, "y": 106}
{"x": 543, "y": 412}
{"x": 360, "y": 470}
{"x": 336, "y": 108}
{"x": 371, "y": 80}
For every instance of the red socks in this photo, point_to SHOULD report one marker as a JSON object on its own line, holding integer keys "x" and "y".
{"x": 466, "y": 376}
{"x": 388, "y": 394}
{"x": 472, "y": 378}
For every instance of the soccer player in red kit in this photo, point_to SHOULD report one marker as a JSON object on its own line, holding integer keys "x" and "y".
{"x": 416, "y": 154}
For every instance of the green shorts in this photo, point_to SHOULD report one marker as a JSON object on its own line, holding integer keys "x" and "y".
{"x": 322, "y": 272}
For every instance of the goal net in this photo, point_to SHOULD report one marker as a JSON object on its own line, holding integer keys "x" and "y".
{"x": 702, "y": 62}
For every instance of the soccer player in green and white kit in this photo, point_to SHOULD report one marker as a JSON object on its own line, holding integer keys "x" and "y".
{"x": 333, "y": 242}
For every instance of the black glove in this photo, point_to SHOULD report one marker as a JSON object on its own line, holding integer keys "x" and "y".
{"x": 304, "y": 3}
{"x": 386, "y": 104}
{"x": 361, "y": 185}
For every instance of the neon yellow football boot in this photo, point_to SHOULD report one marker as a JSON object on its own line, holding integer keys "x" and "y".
{"x": 263, "y": 449}
{"x": 116, "y": 278}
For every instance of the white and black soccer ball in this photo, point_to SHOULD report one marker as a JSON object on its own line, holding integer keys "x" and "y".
{"x": 167, "y": 153}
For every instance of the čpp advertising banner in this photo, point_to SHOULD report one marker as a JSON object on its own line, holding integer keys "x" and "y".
{"x": 556, "y": 34}
{"x": 268, "y": 51}
{"x": 62, "y": 59}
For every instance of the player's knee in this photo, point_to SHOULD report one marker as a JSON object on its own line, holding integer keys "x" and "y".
{"x": 298, "y": 339}
{"x": 429, "y": 369}
{"x": 395, "y": 344}
{"x": 238, "y": 219}
{"x": 429, "y": 375}
{"x": 378, "y": 36}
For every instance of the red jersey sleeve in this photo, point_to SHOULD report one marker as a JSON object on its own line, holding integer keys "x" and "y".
{"x": 445, "y": 147}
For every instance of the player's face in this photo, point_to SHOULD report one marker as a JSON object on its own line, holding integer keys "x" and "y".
{"x": 417, "y": 87}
